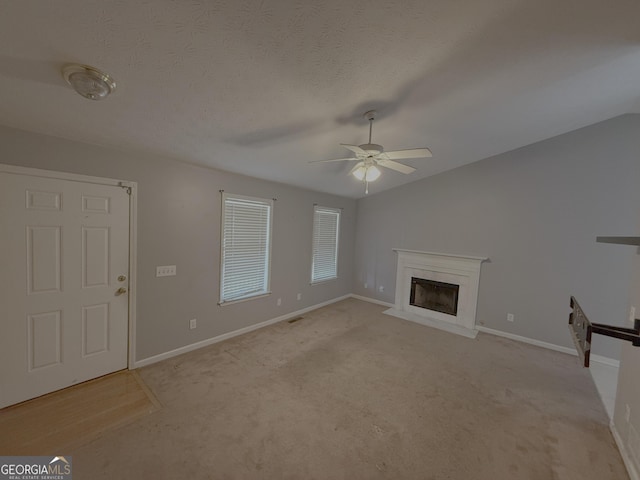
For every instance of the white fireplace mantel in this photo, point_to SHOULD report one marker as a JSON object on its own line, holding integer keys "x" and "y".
{"x": 462, "y": 270}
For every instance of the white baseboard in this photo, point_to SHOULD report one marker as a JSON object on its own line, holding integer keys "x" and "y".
{"x": 372, "y": 300}
{"x": 612, "y": 362}
{"x": 250, "y": 328}
{"x": 225, "y": 336}
{"x": 551, "y": 346}
{"x": 628, "y": 463}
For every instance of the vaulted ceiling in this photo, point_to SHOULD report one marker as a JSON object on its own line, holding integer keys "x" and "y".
{"x": 262, "y": 87}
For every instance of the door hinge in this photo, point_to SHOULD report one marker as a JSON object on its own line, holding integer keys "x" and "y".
{"x": 126, "y": 188}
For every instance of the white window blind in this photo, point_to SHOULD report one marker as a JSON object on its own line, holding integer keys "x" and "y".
{"x": 246, "y": 245}
{"x": 326, "y": 226}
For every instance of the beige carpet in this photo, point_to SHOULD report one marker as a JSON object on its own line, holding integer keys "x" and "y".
{"x": 350, "y": 393}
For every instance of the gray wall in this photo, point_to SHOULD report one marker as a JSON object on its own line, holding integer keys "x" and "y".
{"x": 179, "y": 224}
{"x": 535, "y": 212}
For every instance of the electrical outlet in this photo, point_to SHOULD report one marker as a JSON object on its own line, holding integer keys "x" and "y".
{"x": 166, "y": 271}
{"x": 299, "y": 296}
{"x": 627, "y": 413}
{"x": 192, "y": 323}
{"x": 279, "y": 302}
{"x": 510, "y": 317}
{"x": 632, "y": 315}
{"x": 381, "y": 289}
{"x": 366, "y": 286}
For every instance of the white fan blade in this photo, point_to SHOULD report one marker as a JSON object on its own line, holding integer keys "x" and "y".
{"x": 355, "y": 149}
{"x": 411, "y": 153}
{"x": 398, "y": 167}
{"x": 334, "y": 160}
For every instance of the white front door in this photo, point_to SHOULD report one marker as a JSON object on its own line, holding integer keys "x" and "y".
{"x": 64, "y": 261}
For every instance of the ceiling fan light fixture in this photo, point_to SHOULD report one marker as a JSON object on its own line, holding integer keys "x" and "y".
{"x": 367, "y": 173}
{"x": 369, "y": 156}
{"x": 372, "y": 174}
{"x": 360, "y": 172}
{"x": 88, "y": 81}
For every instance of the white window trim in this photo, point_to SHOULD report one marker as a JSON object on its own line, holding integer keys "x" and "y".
{"x": 260, "y": 294}
{"x": 313, "y": 236}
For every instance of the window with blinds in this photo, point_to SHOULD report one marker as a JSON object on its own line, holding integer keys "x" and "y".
{"x": 326, "y": 226}
{"x": 246, "y": 246}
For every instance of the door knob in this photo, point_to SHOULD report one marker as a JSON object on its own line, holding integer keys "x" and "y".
{"x": 121, "y": 291}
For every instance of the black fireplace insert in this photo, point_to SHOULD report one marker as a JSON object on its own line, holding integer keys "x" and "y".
{"x": 438, "y": 296}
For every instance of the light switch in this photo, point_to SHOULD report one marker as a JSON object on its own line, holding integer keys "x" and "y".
{"x": 166, "y": 271}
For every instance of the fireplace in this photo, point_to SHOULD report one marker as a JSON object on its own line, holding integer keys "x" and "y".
{"x": 438, "y": 290}
{"x": 438, "y": 296}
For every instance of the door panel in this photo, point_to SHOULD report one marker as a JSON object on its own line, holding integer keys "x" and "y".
{"x": 43, "y": 259}
{"x": 95, "y": 329}
{"x": 44, "y": 341}
{"x": 95, "y": 257}
{"x": 63, "y": 245}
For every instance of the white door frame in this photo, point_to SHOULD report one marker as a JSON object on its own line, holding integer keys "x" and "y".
{"x": 133, "y": 232}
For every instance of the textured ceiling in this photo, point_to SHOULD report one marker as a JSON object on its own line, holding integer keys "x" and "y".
{"x": 263, "y": 87}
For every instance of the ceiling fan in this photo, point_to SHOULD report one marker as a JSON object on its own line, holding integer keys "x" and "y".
{"x": 370, "y": 156}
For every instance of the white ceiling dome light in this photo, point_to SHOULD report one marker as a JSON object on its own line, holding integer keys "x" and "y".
{"x": 88, "y": 81}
